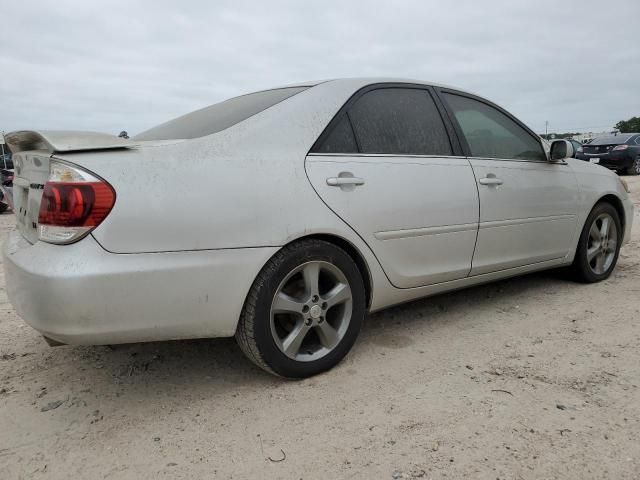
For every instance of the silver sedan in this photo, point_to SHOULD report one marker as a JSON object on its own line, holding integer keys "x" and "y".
{"x": 284, "y": 216}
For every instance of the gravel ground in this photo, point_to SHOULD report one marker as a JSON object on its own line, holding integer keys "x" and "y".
{"x": 534, "y": 377}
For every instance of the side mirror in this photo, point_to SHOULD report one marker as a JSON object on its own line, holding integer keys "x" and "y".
{"x": 561, "y": 149}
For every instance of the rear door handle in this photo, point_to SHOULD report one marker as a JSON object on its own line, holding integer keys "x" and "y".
{"x": 490, "y": 181}
{"x": 340, "y": 181}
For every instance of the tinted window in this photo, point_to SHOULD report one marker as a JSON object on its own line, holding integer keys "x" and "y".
{"x": 340, "y": 139}
{"x": 638, "y": 140}
{"x": 399, "y": 121}
{"x": 219, "y": 116}
{"x": 492, "y": 134}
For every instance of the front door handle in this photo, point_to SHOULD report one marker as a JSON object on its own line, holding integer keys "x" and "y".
{"x": 490, "y": 181}
{"x": 341, "y": 181}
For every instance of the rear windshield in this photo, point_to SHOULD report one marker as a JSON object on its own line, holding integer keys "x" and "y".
{"x": 613, "y": 140}
{"x": 219, "y": 116}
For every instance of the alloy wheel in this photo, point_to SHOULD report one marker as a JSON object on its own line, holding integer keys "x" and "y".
{"x": 311, "y": 311}
{"x": 602, "y": 244}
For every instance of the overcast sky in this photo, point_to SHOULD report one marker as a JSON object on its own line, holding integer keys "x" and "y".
{"x": 129, "y": 65}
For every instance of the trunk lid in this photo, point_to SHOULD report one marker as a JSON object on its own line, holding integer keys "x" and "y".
{"x": 32, "y": 151}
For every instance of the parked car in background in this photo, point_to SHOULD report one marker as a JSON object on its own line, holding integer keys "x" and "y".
{"x": 296, "y": 211}
{"x": 6, "y": 189}
{"x": 616, "y": 152}
{"x": 6, "y": 182}
{"x": 6, "y": 161}
{"x": 576, "y": 145}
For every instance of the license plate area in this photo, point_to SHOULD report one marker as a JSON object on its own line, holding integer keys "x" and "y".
{"x": 31, "y": 172}
{"x": 21, "y": 197}
{"x": 27, "y": 201}
{"x": 594, "y": 160}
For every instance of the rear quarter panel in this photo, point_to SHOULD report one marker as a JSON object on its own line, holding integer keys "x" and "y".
{"x": 244, "y": 187}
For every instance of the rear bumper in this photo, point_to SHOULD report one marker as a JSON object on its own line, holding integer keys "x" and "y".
{"x": 82, "y": 294}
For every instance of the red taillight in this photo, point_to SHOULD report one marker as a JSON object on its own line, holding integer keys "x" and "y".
{"x": 73, "y": 203}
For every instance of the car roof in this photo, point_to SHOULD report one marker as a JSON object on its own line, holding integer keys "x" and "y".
{"x": 364, "y": 81}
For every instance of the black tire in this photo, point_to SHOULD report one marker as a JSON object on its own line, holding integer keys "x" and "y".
{"x": 3, "y": 207}
{"x": 581, "y": 268}
{"x": 254, "y": 332}
{"x": 634, "y": 169}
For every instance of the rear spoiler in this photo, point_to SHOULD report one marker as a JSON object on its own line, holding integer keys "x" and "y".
{"x": 64, "y": 141}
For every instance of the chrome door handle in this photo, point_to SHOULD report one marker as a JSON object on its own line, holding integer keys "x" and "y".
{"x": 490, "y": 181}
{"x": 339, "y": 181}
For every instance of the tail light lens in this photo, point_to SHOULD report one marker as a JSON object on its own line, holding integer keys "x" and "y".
{"x": 621, "y": 147}
{"x": 74, "y": 202}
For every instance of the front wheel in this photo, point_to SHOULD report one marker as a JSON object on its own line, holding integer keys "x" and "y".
{"x": 599, "y": 245}
{"x": 634, "y": 169}
{"x": 304, "y": 310}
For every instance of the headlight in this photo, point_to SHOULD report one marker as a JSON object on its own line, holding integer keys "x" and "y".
{"x": 625, "y": 185}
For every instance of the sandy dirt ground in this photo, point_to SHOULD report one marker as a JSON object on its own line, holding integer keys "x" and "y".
{"x": 534, "y": 377}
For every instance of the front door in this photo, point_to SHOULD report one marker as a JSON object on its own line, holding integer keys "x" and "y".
{"x": 528, "y": 205}
{"x": 386, "y": 166}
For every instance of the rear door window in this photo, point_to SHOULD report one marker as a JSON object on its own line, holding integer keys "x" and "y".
{"x": 340, "y": 139}
{"x": 399, "y": 121}
{"x": 492, "y": 134}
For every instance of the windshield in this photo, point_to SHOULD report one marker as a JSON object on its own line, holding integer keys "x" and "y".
{"x": 612, "y": 140}
{"x": 218, "y": 117}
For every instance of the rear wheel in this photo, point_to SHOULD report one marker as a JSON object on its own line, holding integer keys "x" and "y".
{"x": 599, "y": 245}
{"x": 634, "y": 169}
{"x": 304, "y": 310}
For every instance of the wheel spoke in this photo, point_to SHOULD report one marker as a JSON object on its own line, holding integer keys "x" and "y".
{"x": 600, "y": 259}
{"x": 594, "y": 233}
{"x": 327, "y": 334}
{"x": 592, "y": 252}
{"x": 284, "y": 303}
{"x": 604, "y": 227}
{"x": 611, "y": 246}
{"x": 311, "y": 275}
{"x": 338, "y": 294}
{"x": 291, "y": 345}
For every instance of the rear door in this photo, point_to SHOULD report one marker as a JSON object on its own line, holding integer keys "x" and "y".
{"x": 528, "y": 205}
{"x": 390, "y": 167}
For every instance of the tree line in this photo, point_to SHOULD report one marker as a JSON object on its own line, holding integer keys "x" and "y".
{"x": 629, "y": 126}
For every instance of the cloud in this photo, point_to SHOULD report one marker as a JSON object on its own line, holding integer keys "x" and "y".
{"x": 131, "y": 65}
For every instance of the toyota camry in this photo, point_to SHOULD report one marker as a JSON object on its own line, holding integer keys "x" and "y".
{"x": 300, "y": 209}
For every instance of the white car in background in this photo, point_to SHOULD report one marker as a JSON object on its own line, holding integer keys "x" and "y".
{"x": 299, "y": 210}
